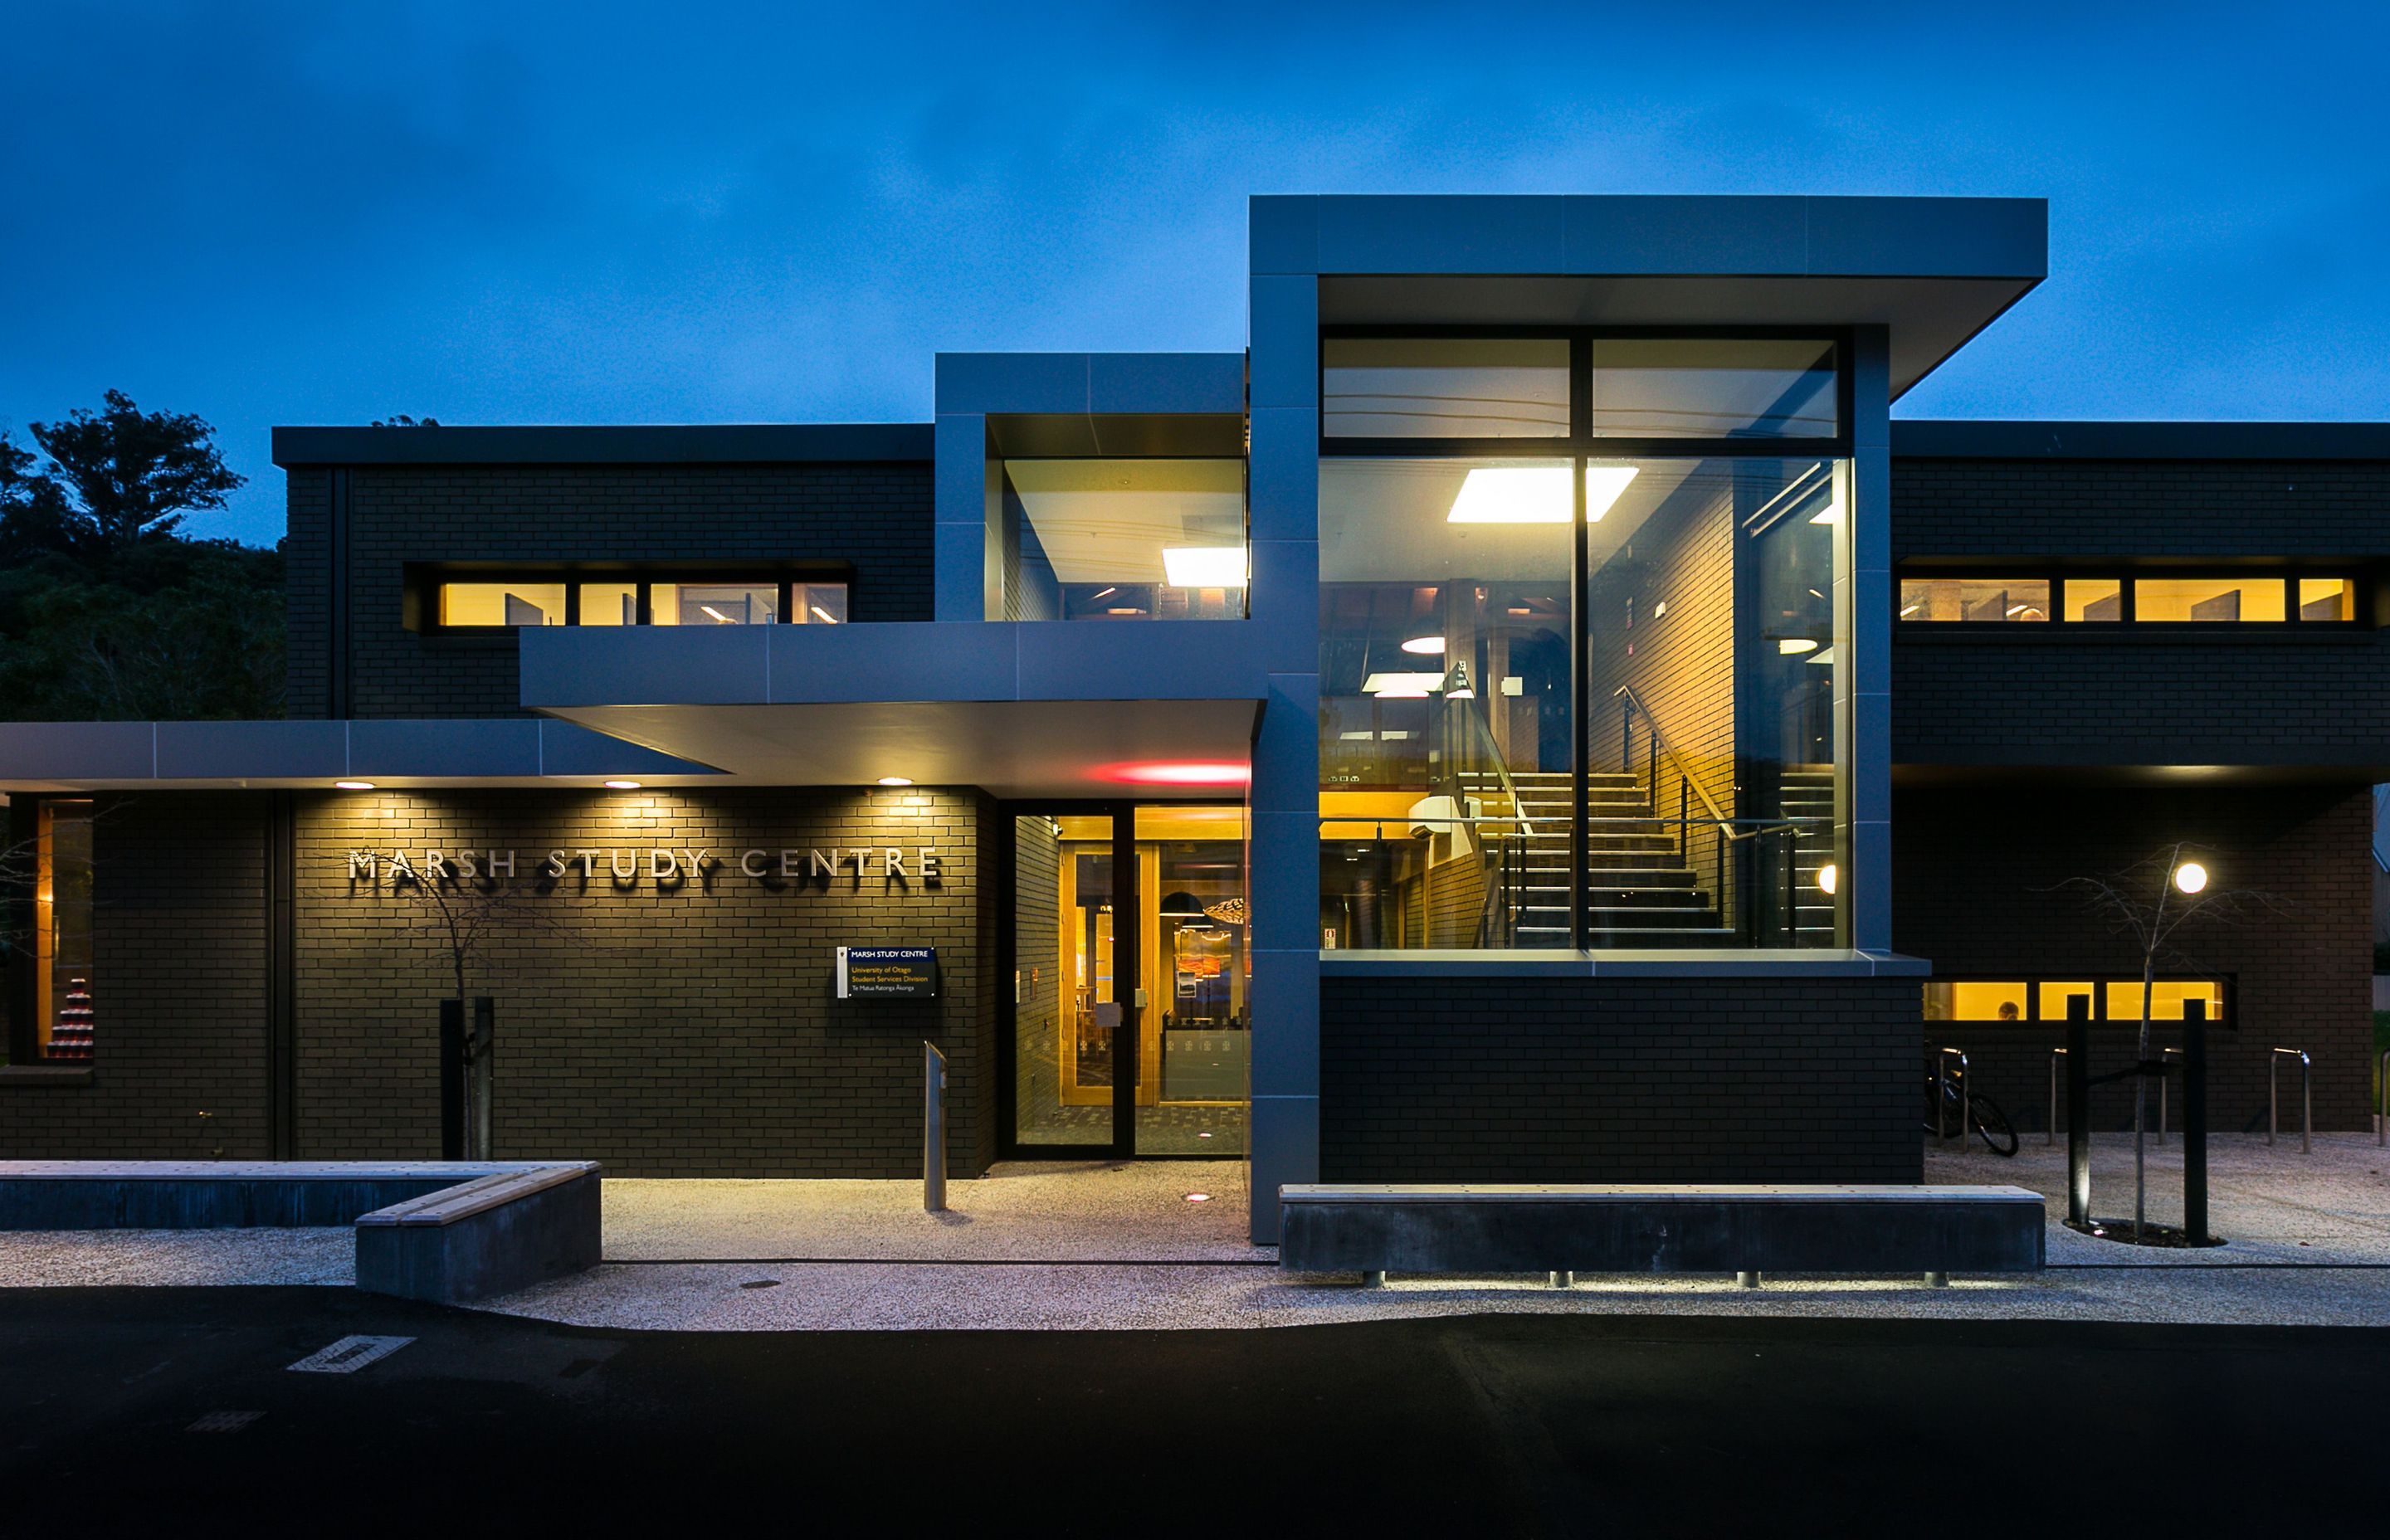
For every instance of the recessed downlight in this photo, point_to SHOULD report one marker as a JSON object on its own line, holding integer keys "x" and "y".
{"x": 353, "y": 786}
{"x": 896, "y": 780}
{"x": 622, "y": 785}
{"x": 1425, "y": 647}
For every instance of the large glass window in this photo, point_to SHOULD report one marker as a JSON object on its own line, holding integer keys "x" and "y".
{"x": 1443, "y": 388}
{"x": 2111, "y": 1000}
{"x": 1712, "y": 654}
{"x": 1446, "y": 745}
{"x": 1502, "y": 632}
{"x": 65, "y": 1019}
{"x": 1724, "y": 388}
{"x": 713, "y": 603}
{"x": 1123, "y": 540}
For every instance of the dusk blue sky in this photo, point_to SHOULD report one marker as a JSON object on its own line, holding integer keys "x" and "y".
{"x": 593, "y": 213}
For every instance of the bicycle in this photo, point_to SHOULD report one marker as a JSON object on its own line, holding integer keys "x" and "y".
{"x": 1941, "y": 1095}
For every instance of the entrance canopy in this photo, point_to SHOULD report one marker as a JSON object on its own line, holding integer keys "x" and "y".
{"x": 1050, "y": 709}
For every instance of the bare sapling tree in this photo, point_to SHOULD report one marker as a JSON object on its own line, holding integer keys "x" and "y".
{"x": 2151, "y": 902}
{"x": 472, "y": 900}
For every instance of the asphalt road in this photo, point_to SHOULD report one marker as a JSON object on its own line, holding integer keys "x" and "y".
{"x": 1493, "y": 1425}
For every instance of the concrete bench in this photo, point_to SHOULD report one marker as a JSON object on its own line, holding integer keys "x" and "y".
{"x": 490, "y": 1235}
{"x": 1561, "y": 1229}
{"x": 445, "y": 1230}
{"x": 206, "y": 1195}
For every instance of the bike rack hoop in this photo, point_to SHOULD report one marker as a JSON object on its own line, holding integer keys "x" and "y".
{"x": 2306, "y": 1096}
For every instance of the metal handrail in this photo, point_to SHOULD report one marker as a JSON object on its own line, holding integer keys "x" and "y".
{"x": 1651, "y": 726}
{"x": 1940, "y": 1078}
{"x": 2306, "y": 1096}
{"x": 1475, "y": 715}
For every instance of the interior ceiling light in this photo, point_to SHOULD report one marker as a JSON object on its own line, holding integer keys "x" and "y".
{"x": 1425, "y": 647}
{"x": 1535, "y": 494}
{"x": 1831, "y": 514}
{"x": 1180, "y": 905}
{"x": 824, "y": 615}
{"x": 622, "y": 785}
{"x": 1825, "y": 655}
{"x": 1793, "y": 647}
{"x": 1399, "y": 685}
{"x": 353, "y": 786}
{"x": 896, "y": 780}
{"x": 1205, "y": 566}
{"x": 719, "y": 617}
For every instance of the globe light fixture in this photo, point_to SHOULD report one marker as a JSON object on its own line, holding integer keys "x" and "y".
{"x": 2191, "y": 877}
{"x": 1828, "y": 879}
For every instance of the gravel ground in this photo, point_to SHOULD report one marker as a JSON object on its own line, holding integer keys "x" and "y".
{"x": 2270, "y": 1205}
{"x": 1020, "y": 1211}
{"x": 32, "y": 1259}
{"x": 1095, "y": 1246}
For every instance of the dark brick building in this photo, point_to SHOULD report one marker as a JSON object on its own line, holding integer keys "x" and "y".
{"x": 1456, "y": 741}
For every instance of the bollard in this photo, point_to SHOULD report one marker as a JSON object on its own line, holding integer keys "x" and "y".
{"x": 2194, "y": 1122}
{"x": 2381, "y": 1084}
{"x": 2049, "y": 1132}
{"x": 933, "y": 1128}
{"x": 2078, "y": 1110}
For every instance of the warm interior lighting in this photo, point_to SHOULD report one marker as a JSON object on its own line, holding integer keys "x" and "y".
{"x": 1425, "y": 647}
{"x": 622, "y": 785}
{"x": 1793, "y": 647}
{"x": 1908, "y": 610}
{"x": 2191, "y": 877}
{"x": 717, "y": 614}
{"x": 1177, "y": 773}
{"x": 1829, "y": 877}
{"x": 1535, "y": 494}
{"x": 896, "y": 780}
{"x": 1205, "y": 566}
{"x": 1400, "y": 685}
{"x": 353, "y": 786}
{"x": 823, "y": 615}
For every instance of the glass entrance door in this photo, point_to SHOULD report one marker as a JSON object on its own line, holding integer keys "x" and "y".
{"x": 1130, "y": 980}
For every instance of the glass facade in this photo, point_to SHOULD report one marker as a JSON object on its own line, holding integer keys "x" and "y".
{"x": 1443, "y": 388}
{"x": 1091, "y": 1064}
{"x": 1657, "y": 633}
{"x": 1123, "y": 540}
{"x": 1715, "y": 388}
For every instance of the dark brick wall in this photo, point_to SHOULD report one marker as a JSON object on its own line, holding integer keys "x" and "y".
{"x": 2140, "y": 508}
{"x": 1654, "y": 1080}
{"x": 2141, "y": 697}
{"x": 876, "y": 517}
{"x": 178, "y": 992}
{"x": 1972, "y": 870}
{"x": 685, "y": 1033}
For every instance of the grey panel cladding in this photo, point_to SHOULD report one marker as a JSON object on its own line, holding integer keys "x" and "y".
{"x": 876, "y": 517}
{"x": 1976, "y": 867}
{"x": 1660, "y": 1080}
